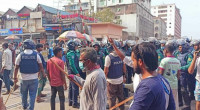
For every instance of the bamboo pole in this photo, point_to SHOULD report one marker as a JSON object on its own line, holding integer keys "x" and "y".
{"x": 121, "y": 103}
{"x": 65, "y": 73}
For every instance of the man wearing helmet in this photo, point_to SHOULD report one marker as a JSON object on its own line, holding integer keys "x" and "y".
{"x": 100, "y": 54}
{"x": 114, "y": 70}
{"x": 185, "y": 58}
{"x": 73, "y": 68}
{"x": 29, "y": 63}
{"x": 154, "y": 41}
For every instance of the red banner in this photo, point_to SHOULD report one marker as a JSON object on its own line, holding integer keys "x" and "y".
{"x": 76, "y": 15}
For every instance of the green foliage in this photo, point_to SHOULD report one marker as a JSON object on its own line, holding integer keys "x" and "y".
{"x": 105, "y": 15}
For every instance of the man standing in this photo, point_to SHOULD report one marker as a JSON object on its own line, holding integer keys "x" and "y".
{"x": 42, "y": 78}
{"x": 170, "y": 69}
{"x": 185, "y": 58}
{"x": 12, "y": 48}
{"x": 29, "y": 64}
{"x": 56, "y": 78}
{"x": 196, "y": 65}
{"x": 7, "y": 67}
{"x": 73, "y": 68}
{"x": 93, "y": 95}
{"x": 153, "y": 92}
{"x": 100, "y": 55}
{"x": 114, "y": 69}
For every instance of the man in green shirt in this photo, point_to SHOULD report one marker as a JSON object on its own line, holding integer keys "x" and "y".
{"x": 185, "y": 58}
{"x": 73, "y": 68}
{"x": 170, "y": 69}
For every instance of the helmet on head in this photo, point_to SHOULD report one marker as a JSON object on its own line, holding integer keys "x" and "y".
{"x": 163, "y": 41}
{"x": 71, "y": 45}
{"x": 110, "y": 48}
{"x": 181, "y": 42}
{"x": 152, "y": 40}
{"x": 172, "y": 42}
{"x": 131, "y": 43}
{"x": 29, "y": 44}
{"x": 96, "y": 44}
{"x": 77, "y": 42}
{"x": 195, "y": 42}
{"x": 187, "y": 40}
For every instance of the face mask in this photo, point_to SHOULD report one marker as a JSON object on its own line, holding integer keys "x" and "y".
{"x": 162, "y": 48}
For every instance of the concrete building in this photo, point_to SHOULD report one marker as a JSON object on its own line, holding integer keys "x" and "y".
{"x": 160, "y": 28}
{"x": 171, "y": 15}
{"x": 133, "y": 14}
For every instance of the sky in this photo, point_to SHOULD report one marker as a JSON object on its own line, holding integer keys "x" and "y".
{"x": 190, "y": 11}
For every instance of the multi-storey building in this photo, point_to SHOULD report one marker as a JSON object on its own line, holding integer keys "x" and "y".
{"x": 171, "y": 15}
{"x": 133, "y": 14}
{"x": 160, "y": 28}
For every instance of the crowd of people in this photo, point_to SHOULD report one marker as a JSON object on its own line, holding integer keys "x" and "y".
{"x": 163, "y": 75}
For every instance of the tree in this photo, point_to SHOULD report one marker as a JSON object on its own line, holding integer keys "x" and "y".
{"x": 105, "y": 15}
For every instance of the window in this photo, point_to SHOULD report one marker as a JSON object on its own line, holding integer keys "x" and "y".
{"x": 160, "y": 7}
{"x": 169, "y": 26}
{"x": 156, "y": 28}
{"x": 162, "y": 11}
{"x": 156, "y": 35}
{"x": 157, "y": 22}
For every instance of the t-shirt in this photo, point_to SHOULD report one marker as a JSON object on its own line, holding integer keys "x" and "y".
{"x": 197, "y": 66}
{"x": 153, "y": 93}
{"x": 171, "y": 66}
{"x": 54, "y": 72}
{"x": 45, "y": 54}
{"x": 28, "y": 76}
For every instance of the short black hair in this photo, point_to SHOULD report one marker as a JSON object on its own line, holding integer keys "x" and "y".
{"x": 56, "y": 50}
{"x": 147, "y": 53}
{"x": 170, "y": 48}
{"x": 5, "y": 45}
{"x": 46, "y": 44}
{"x": 39, "y": 46}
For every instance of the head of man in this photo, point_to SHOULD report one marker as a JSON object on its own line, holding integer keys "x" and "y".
{"x": 196, "y": 44}
{"x": 57, "y": 51}
{"x": 169, "y": 49}
{"x": 39, "y": 47}
{"x": 29, "y": 44}
{"x": 5, "y": 46}
{"x": 11, "y": 46}
{"x": 145, "y": 58}
{"x": 88, "y": 58}
{"x": 46, "y": 45}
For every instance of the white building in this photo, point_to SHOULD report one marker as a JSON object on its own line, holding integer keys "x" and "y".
{"x": 133, "y": 14}
{"x": 171, "y": 15}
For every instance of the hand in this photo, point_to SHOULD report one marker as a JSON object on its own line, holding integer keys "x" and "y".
{"x": 78, "y": 75}
{"x": 65, "y": 87}
{"x": 15, "y": 80}
{"x": 124, "y": 80}
{"x": 71, "y": 76}
{"x": 44, "y": 75}
{"x": 110, "y": 40}
{"x": 2, "y": 70}
{"x": 196, "y": 54}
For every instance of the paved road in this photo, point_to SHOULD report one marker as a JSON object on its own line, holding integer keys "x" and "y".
{"x": 14, "y": 102}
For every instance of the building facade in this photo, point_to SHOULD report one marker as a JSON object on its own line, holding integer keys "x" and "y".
{"x": 171, "y": 15}
{"x": 160, "y": 28}
{"x": 133, "y": 14}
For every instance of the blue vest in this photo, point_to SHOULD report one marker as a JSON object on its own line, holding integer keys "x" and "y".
{"x": 182, "y": 58}
{"x": 116, "y": 67}
{"x": 29, "y": 64}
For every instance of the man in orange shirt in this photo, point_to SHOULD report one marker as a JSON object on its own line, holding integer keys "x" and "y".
{"x": 56, "y": 78}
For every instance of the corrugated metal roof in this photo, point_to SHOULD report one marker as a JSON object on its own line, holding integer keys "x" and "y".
{"x": 53, "y": 10}
{"x": 14, "y": 10}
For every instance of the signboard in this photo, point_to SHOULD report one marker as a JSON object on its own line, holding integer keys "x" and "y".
{"x": 56, "y": 28}
{"x": 23, "y": 16}
{"x": 7, "y": 32}
{"x": 34, "y": 15}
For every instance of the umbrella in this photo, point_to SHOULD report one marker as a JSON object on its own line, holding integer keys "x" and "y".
{"x": 12, "y": 37}
{"x": 89, "y": 38}
{"x": 71, "y": 34}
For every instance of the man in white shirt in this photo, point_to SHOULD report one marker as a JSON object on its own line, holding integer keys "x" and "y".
{"x": 196, "y": 65}
{"x": 114, "y": 69}
{"x": 6, "y": 67}
{"x": 29, "y": 63}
